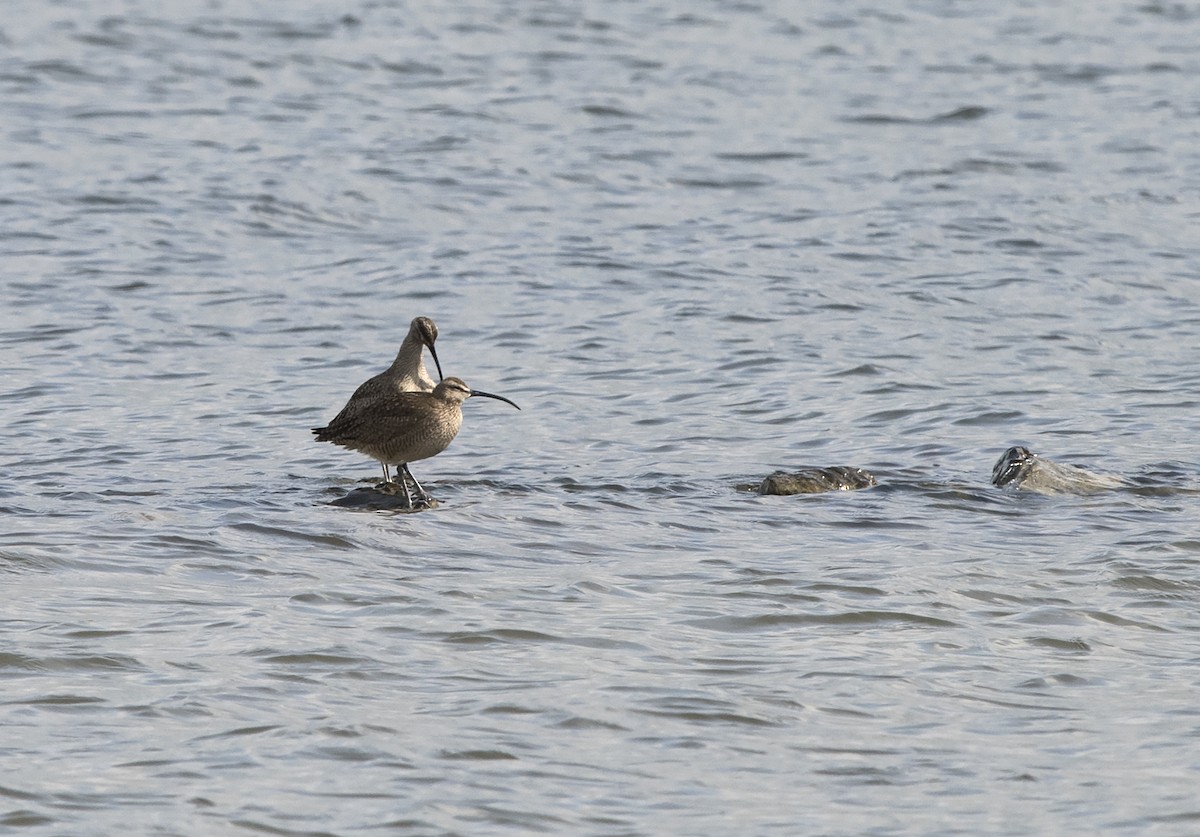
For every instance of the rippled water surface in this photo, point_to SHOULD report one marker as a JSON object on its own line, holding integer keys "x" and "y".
{"x": 696, "y": 243}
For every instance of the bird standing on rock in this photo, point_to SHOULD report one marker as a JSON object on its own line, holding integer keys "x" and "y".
{"x": 406, "y": 374}
{"x": 397, "y": 428}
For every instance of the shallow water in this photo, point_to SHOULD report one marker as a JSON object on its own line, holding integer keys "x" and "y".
{"x": 695, "y": 247}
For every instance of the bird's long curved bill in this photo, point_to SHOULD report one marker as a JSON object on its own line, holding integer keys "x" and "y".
{"x": 475, "y": 392}
{"x": 436, "y": 362}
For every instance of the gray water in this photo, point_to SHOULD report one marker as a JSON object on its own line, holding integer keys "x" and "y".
{"x": 696, "y": 243}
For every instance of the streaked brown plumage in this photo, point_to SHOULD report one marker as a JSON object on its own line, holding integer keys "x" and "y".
{"x": 406, "y": 374}
{"x": 397, "y": 428}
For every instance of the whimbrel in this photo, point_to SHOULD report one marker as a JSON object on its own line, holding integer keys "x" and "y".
{"x": 397, "y": 428}
{"x": 406, "y": 374}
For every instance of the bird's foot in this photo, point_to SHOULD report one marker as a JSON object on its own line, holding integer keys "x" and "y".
{"x": 413, "y": 501}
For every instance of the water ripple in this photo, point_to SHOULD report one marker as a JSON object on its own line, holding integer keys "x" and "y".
{"x": 867, "y": 241}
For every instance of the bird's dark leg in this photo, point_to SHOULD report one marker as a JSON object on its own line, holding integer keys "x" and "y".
{"x": 422, "y": 494}
{"x": 403, "y": 476}
{"x": 402, "y": 484}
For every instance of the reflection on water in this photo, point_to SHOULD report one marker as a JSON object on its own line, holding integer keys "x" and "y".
{"x": 697, "y": 248}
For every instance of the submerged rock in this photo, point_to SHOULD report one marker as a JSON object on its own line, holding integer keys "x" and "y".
{"x": 382, "y": 497}
{"x": 817, "y": 480}
{"x": 1025, "y": 470}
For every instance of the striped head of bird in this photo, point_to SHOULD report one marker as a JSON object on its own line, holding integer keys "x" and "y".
{"x": 456, "y": 391}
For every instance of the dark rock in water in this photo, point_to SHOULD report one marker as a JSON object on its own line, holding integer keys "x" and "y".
{"x": 1012, "y": 466}
{"x": 1020, "y": 468}
{"x": 817, "y": 480}
{"x": 382, "y": 497}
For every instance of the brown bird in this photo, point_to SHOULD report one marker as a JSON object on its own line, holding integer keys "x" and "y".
{"x": 397, "y": 428}
{"x": 406, "y": 374}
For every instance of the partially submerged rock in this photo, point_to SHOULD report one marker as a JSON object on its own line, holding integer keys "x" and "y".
{"x": 817, "y": 480}
{"x": 1020, "y": 468}
{"x": 386, "y": 496}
